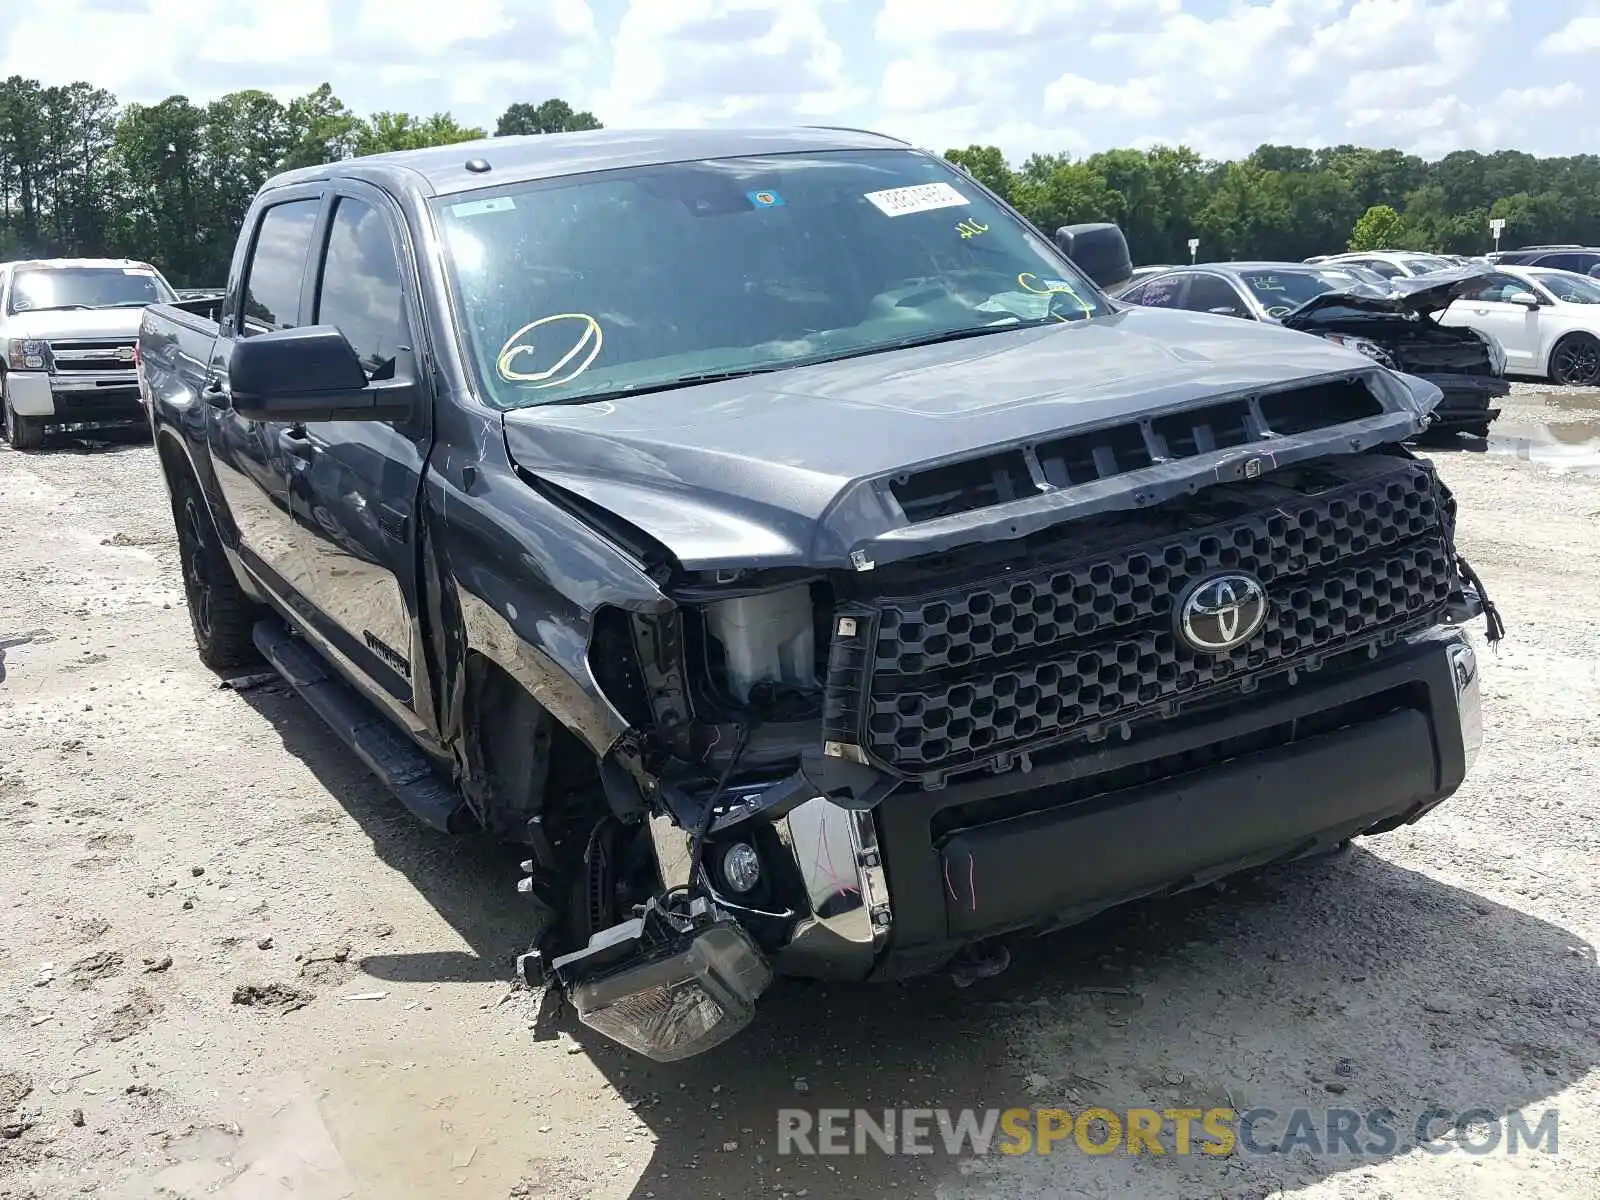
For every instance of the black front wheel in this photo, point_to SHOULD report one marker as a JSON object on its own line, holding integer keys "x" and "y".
{"x": 24, "y": 433}
{"x": 1576, "y": 360}
{"x": 221, "y": 614}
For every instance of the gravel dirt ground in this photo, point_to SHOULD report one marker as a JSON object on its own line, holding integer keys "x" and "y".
{"x": 231, "y": 966}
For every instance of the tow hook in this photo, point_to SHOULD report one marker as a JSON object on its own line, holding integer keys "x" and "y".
{"x": 668, "y": 984}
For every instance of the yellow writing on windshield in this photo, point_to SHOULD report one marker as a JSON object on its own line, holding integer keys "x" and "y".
{"x": 1029, "y": 282}
{"x": 970, "y": 228}
{"x": 585, "y": 346}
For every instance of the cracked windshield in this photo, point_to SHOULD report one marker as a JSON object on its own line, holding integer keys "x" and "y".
{"x": 649, "y": 278}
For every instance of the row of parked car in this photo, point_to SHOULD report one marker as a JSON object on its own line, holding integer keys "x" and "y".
{"x": 67, "y": 326}
{"x": 1461, "y": 323}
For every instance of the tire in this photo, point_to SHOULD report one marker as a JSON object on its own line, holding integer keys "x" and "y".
{"x": 220, "y": 613}
{"x": 1575, "y": 361}
{"x": 24, "y": 433}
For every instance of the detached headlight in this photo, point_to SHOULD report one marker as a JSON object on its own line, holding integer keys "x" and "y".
{"x": 679, "y": 1000}
{"x": 1366, "y": 345}
{"x": 27, "y": 354}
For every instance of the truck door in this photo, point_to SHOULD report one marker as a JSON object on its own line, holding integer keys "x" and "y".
{"x": 354, "y": 485}
{"x": 271, "y": 292}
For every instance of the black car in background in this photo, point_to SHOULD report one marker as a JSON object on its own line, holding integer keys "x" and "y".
{"x": 1392, "y": 323}
{"x": 1585, "y": 260}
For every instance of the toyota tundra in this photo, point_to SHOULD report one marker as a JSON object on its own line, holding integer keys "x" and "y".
{"x": 799, "y": 553}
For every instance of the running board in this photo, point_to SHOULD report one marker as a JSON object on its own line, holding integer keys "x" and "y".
{"x": 404, "y": 769}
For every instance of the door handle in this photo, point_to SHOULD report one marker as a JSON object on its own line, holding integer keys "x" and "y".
{"x": 217, "y": 393}
{"x": 296, "y": 442}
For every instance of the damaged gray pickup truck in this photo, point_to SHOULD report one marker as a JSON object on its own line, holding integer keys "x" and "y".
{"x": 800, "y": 555}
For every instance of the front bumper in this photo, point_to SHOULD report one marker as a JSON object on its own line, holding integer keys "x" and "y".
{"x": 1195, "y": 800}
{"x": 79, "y": 397}
{"x": 1466, "y": 404}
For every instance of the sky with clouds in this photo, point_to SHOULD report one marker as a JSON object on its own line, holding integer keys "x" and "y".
{"x": 1223, "y": 76}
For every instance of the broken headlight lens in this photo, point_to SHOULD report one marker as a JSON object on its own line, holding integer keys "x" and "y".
{"x": 1365, "y": 345}
{"x": 681, "y": 1001}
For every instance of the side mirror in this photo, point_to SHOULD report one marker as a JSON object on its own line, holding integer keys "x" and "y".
{"x": 1526, "y": 299}
{"x": 310, "y": 374}
{"x": 1098, "y": 250}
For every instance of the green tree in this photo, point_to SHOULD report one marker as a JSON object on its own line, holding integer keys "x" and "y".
{"x": 1246, "y": 210}
{"x": 22, "y": 156}
{"x": 385, "y": 131}
{"x": 170, "y": 182}
{"x": 987, "y": 165}
{"x": 321, "y": 129}
{"x": 160, "y": 149}
{"x": 1376, "y": 229}
{"x": 550, "y": 116}
{"x": 1053, "y": 191}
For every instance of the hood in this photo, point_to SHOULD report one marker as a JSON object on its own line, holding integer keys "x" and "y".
{"x": 793, "y": 467}
{"x": 50, "y": 323}
{"x": 1423, "y": 295}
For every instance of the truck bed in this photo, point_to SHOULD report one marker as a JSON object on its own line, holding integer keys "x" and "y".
{"x": 175, "y": 342}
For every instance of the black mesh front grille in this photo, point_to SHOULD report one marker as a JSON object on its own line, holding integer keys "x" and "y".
{"x": 949, "y": 681}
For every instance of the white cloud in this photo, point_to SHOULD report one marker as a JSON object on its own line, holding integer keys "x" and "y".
{"x": 420, "y": 56}
{"x": 287, "y": 31}
{"x": 704, "y": 61}
{"x": 1227, "y": 75}
{"x": 1073, "y": 93}
{"x": 1549, "y": 99}
{"x": 1028, "y": 75}
{"x": 416, "y": 24}
{"x": 921, "y": 84}
{"x": 1581, "y": 35}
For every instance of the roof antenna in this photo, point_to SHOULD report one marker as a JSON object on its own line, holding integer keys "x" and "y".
{"x": 477, "y": 165}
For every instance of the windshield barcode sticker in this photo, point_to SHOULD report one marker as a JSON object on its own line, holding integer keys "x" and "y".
{"x": 473, "y": 208}
{"x": 924, "y": 197}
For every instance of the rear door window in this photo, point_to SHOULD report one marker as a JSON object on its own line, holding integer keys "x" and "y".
{"x": 1387, "y": 269}
{"x": 1579, "y": 261}
{"x": 1165, "y": 291}
{"x": 1213, "y": 294}
{"x": 276, "y": 270}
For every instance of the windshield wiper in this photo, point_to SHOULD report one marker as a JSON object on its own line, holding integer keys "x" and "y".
{"x": 1003, "y": 325}
{"x": 666, "y": 385}
{"x": 921, "y": 339}
{"x": 52, "y": 308}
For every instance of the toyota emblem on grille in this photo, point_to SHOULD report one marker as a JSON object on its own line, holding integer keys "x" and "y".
{"x": 1222, "y": 612}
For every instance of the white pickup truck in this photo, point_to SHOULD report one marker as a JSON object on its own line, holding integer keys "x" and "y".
{"x": 67, "y": 333}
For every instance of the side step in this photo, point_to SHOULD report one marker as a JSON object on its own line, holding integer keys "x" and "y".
{"x": 402, "y": 767}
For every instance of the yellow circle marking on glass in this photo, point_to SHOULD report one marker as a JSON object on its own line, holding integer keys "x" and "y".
{"x": 1054, "y": 287}
{"x": 590, "y": 337}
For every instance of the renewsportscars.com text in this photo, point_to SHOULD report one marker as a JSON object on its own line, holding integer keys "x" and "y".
{"x": 1214, "y": 1132}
